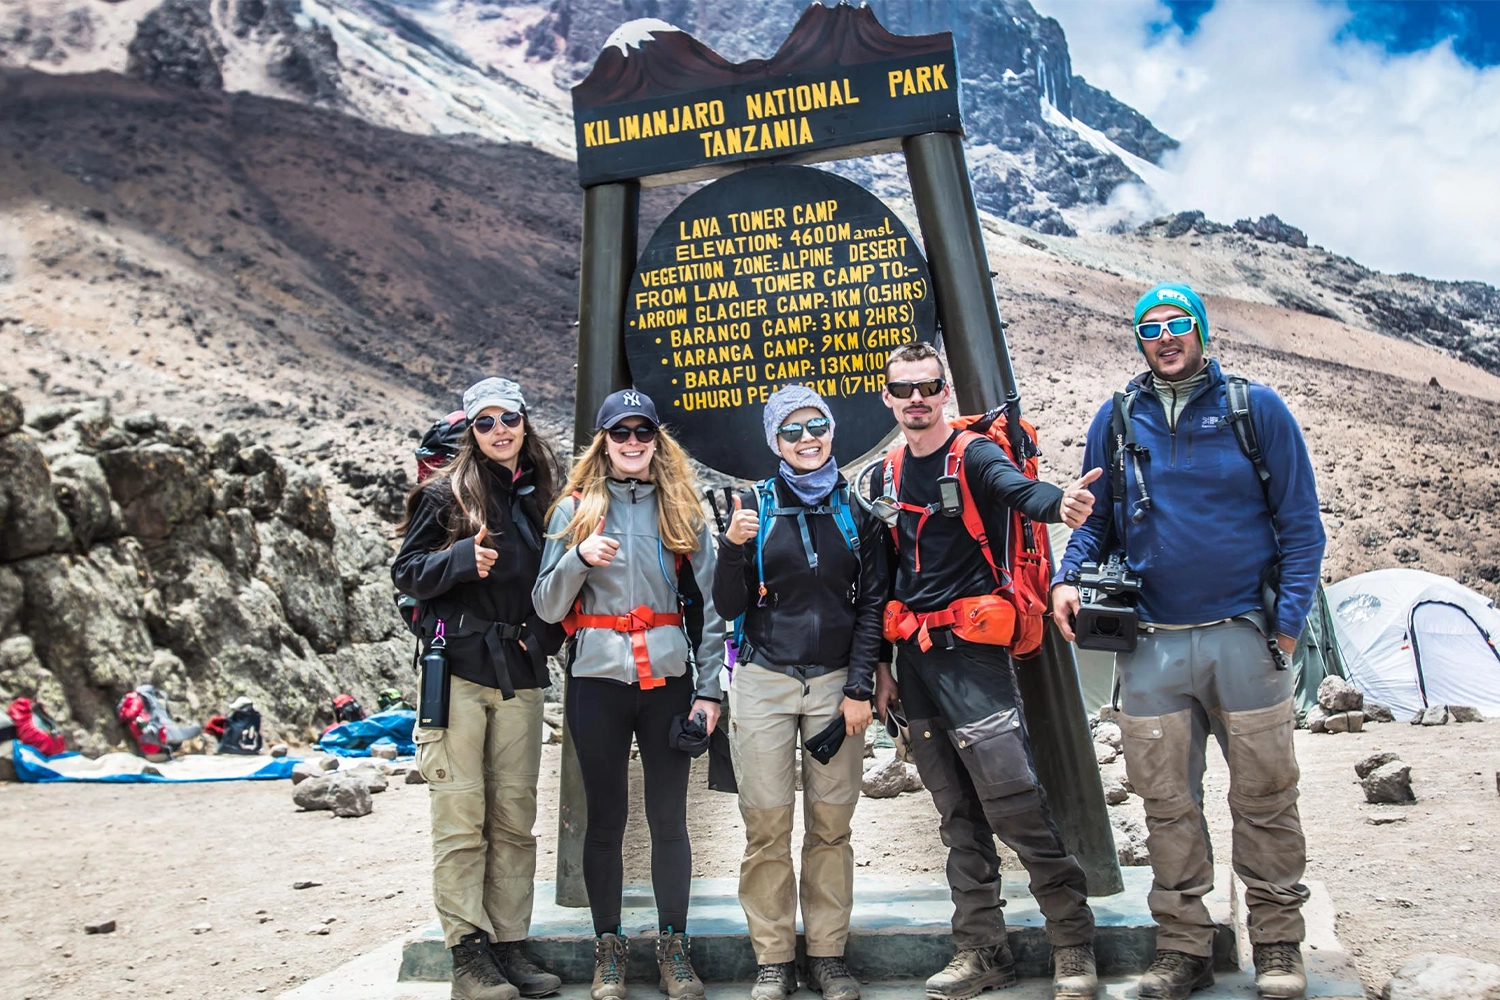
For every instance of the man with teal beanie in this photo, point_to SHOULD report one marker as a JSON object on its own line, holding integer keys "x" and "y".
{"x": 1208, "y": 498}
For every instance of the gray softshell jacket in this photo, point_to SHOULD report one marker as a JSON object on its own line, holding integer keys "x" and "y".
{"x": 643, "y": 572}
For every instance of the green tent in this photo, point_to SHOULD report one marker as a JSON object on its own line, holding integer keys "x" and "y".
{"x": 1317, "y": 654}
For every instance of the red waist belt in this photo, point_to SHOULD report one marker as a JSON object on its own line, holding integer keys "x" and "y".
{"x": 634, "y": 624}
{"x": 988, "y": 619}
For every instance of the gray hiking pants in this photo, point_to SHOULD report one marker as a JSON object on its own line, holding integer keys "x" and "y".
{"x": 1176, "y": 687}
{"x": 970, "y": 744}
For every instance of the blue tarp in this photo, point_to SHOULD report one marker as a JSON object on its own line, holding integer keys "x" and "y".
{"x": 354, "y": 739}
{"x": 121, "y": 768}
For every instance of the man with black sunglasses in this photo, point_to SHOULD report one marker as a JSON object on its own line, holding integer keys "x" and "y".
{"x": 1211, "y": 502}
{"x": 958, "y": 688}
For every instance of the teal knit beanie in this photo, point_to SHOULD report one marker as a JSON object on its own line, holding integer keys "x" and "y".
{"x": 1168, "y": 294}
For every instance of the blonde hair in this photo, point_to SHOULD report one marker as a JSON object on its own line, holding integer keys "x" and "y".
{"x": 679, "y": 514}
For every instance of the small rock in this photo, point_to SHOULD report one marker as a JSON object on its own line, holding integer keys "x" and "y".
{"x": 279, "y": 750}
{"x": 306, "y": 884}
{"x": 1337, "y": 695}
{"x": 1375, "y": 760}
{"x": 319, "y": 930}
{"x": 885, "y": 780}
{"x": 328, "y": 763}
{"x": 303, "y": 770}
{"x": 1316, "y": 720}
{"x": 913, "y": 779}
{"x": 1114, "y": 791}
{"x": 393, "y": 770}
{"x": 201, "y": 928}
{"x": 1375, "y": 712}
{"x": 102, "y": 927}
{"x": 385, "y": 751}
{"x": 414, "y": 777}
{"x": 1444, "y": 977}
{"x": 1390, "y": 782}
{"x": 1105, "y": 754}
{"x": 1345, "y": 722}
{"x": 373, "y": 778}
{"x": 1384, "y": 820}
{"x": 342, "y": 793}
{"x": 1109, "y": 734}
{"x": 1462, "y": 713}
{"x": 552, "y": 714}
{"x": 1433, "y": 715}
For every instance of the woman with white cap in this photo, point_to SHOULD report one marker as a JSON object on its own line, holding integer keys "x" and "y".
{"x": 806, "y": 569}
{"x": 471, "y": 551}
{"x": 628, "y": 570}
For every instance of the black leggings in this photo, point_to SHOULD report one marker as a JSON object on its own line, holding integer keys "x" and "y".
{"x": 602, "y": 716}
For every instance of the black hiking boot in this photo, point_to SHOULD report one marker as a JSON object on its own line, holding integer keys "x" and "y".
{"x": 1175, "y": 974}
{"x": 475, "y": 974}
{"x": 972, "y": 971}
{"x": 523, "y": 973}
{"x": 774, "y": 982}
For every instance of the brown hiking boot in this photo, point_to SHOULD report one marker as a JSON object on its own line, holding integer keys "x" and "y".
{"x": 678, "y": 980}
{"x": 832, "y": 978}
{"x": 774, "y": 982}
{"x": 523, "y": 973}
{"x": 972, "y": 971}
{"x": 475, "y": 974}
{"x": 1175, "y": 974}
{"x": 1278, "y": 970}
{"x": 1073, "y": 973}
{"x": 610, "y": 951}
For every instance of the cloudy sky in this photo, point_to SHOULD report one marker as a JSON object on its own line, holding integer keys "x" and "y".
{"x": 1373, "y": 126}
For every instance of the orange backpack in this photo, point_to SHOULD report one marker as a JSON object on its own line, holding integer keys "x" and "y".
{"x": 1023, "y": 577}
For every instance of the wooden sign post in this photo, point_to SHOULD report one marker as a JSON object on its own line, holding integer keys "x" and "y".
{"x": 779, "y": 274}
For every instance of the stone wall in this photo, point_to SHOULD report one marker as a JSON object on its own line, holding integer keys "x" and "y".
{"x": 137, "y": 551}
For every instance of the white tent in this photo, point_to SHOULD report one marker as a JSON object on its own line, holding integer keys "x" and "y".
{"x": 1412, "y": 639}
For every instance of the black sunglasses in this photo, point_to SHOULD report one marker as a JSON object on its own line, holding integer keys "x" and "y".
{"x": 792, "y": 433}
{"x": 644, "y": 433}
{"x": 926, "y": 387}
{"x": 486, "y": 423}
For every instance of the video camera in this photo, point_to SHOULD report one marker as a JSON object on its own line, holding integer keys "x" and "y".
{"x": 1106, "y": 617}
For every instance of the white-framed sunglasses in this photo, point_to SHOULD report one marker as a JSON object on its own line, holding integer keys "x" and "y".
{"x": 1177, "y": 326}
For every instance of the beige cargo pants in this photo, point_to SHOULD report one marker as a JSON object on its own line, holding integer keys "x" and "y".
{"x": 770, "y": 714}
{"x": 1176, "y": 688}
{"x": 481, "y": 774}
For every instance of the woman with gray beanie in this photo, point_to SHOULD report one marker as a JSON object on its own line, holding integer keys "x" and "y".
{"x": 807, "y": 570}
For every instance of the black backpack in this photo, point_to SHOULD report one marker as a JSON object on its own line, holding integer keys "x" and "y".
{"x": 242, "y": 732}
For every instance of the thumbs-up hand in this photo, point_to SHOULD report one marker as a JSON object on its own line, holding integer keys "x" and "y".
{"x": 599, "y": 549}
{"x": 483, "y": 558}
{"x": 743, "y": 524}
{"x": 1078, "y": 500}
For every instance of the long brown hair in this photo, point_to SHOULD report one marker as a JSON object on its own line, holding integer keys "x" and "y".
{"x": 467, "y": 482}
{"x": 679, "y": 514}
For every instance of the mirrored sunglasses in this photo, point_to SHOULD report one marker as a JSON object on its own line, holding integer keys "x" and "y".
{"x": 1177, "y": 326}
{"x": 792, "y": 433}
{"x": 644, "y": 433}
{"x": 486, "y": 423}
{"x": 926, "y": 387}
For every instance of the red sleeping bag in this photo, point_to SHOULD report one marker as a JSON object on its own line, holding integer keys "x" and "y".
{"x": 34, "y": 727}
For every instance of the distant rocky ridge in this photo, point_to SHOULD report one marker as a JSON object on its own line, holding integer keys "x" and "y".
{"x": 134, "y": 551}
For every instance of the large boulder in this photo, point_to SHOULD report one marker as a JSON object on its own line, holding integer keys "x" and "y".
{"x": 157, "y": 487}
{"x": 1444, "y": 977}
{"x": 1432, "y": 715}
{"x": 1390, "y": 783}
{"x": 1375, "y": 760}
{"x": 304, "y": 502}
{"x": 1375, "y": 712}
{"x": 885, "y": 779}
{"x": 82, "y": 493}
{"x": 1462, "y": 713}
{"x": 371, "y": 612}
{"x": 340, "y": 792}
{"x": 305, "y": 577}
{"x": 1337, "y": 695}
{"x": 30, "y": 522}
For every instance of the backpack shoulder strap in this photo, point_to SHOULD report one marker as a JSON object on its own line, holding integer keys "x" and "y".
{"x": 765, "y": 502}
{"x": 843, "y": 516}
{"x": 973, "y": 522}
{"x": 1237, "y": 393}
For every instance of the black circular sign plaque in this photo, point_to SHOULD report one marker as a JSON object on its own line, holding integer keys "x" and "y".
{"x": 767, "y": 277}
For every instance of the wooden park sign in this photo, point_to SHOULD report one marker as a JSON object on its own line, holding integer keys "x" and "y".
{"x": 776, "y": 273}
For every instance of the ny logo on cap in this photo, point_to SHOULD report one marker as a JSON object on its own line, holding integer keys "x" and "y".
{"x": 632, "y": 399}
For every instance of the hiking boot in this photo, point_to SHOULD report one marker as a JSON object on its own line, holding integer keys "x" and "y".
{"x": 610, "y": 951}
{"x": 1175, "y": 974}
{"x": 1279, "y": 971}
{"x": 972, "y": 971}
{"x": 523, "y": 973}
{"x": 1073, "y": 974}
{"x": 678, "y": 980}
{"x": 475, "y": 974}
{"x": 774, "y": 982}
{"x": 831, "y": 977}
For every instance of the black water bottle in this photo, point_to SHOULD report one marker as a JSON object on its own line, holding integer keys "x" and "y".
{"x": 433, "y": 712}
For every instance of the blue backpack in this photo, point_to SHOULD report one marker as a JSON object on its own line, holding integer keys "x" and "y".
{"x": 766, "y": 506}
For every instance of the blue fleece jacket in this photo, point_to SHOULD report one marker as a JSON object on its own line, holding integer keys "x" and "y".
{"x": 1202, "y": 546}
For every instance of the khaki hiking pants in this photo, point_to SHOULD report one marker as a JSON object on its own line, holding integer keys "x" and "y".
{"x": 1175, "y": 688}
{"x": 770, "y": 714}
{"x": 481, "y": 775}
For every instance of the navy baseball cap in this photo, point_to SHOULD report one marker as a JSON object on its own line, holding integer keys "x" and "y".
{"x": 625, "y": 403}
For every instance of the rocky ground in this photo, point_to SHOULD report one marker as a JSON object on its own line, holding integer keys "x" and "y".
{"x": 1405, "y": 879}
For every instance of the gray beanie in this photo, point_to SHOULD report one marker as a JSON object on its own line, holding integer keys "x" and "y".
{"x": 785, "y": 401}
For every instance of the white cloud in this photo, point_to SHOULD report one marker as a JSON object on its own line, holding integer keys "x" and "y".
{"x": 1390, "y": 159}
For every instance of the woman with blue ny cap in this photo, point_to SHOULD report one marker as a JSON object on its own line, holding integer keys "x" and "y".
{"x": 471, "y": 549}
{"x": 806, "y": 569}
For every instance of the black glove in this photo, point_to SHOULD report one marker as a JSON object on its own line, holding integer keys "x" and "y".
{"x": 825, "y": 744}
{"x": 689, "y": 735}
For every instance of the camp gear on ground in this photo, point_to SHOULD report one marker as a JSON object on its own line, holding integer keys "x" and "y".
{"x": 242, "y": 730}
{"x": 487, "y": 392}
{"x": 440, "y": 444}
{"x": 689, "y": 733}
{"x": 486, "y": 423}
{"x": 346, "y": 709}
{"x": 1021, "y": 561}
{"x": 121, "y": 767}
{"x": 34, "y": 727}
{"x": 391, "y": 698}
{"x": 147, "y": 717}
{"x": 625, "y": 403}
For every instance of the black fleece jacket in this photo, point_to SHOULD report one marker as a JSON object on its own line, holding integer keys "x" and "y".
{"x": 814, "y": 621}
{"x": 447, "y": 581}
